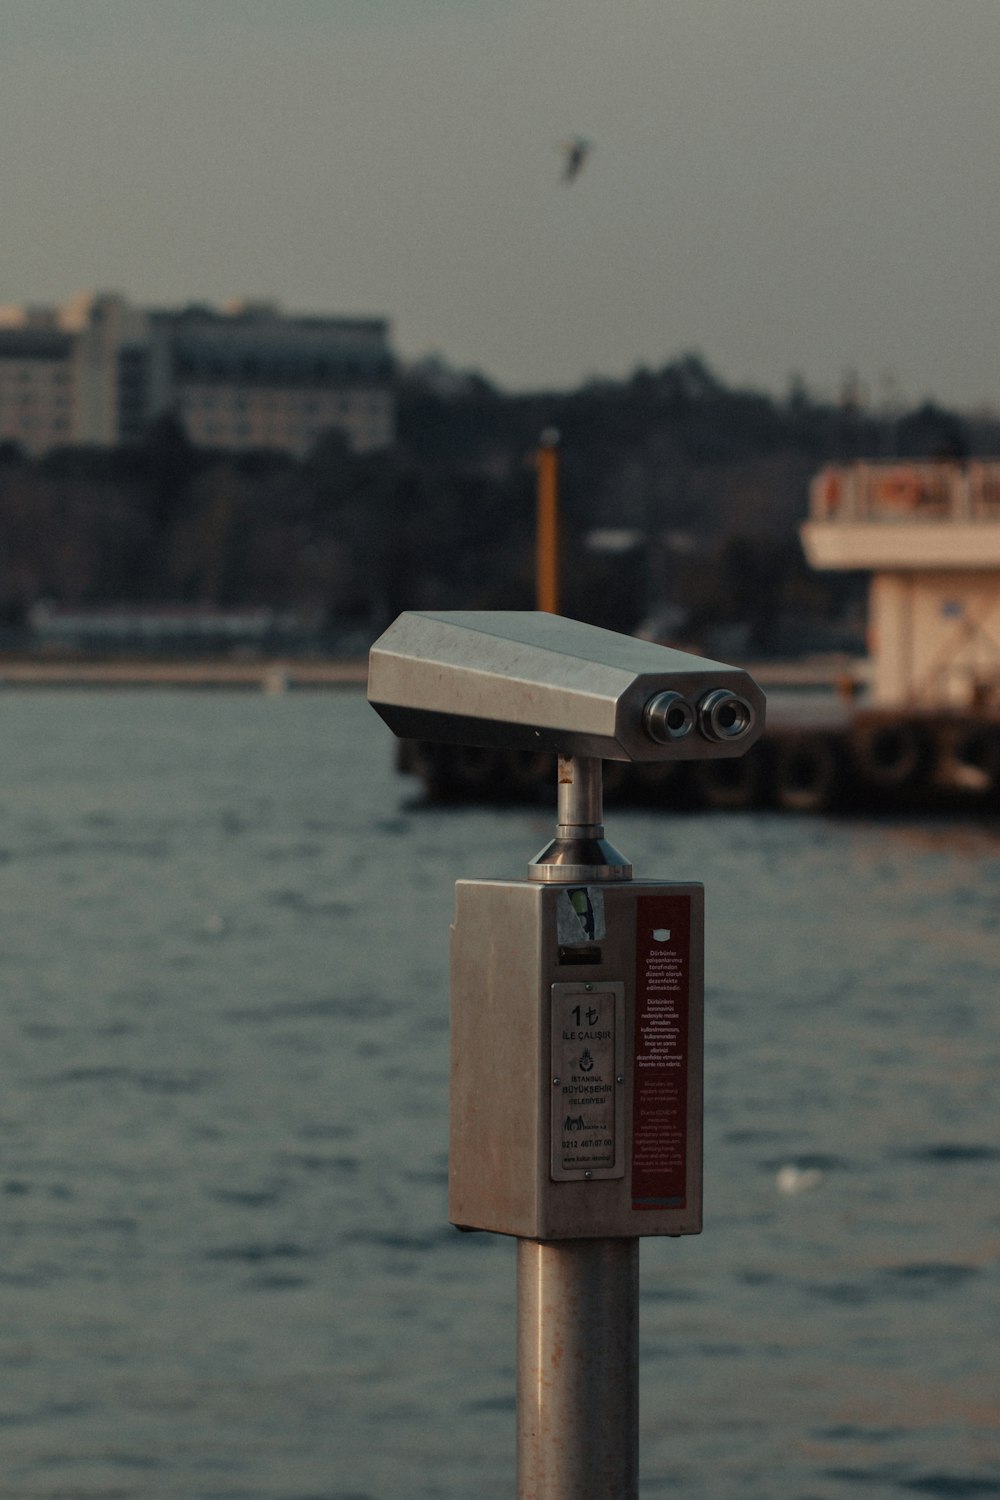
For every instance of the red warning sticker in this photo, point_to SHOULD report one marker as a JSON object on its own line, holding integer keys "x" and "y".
{"x": 662, "y": 989}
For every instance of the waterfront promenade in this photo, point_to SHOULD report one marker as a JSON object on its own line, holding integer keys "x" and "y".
{"x": 267, "y": 675}
{"x": 275, "y": 674}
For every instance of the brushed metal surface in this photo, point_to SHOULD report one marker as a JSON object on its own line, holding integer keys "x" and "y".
{"x": 579, "y": 852}
{"x": 578, "y": 1370}
{"x": 506, "y": 954}
{"x": 523, "y": 679}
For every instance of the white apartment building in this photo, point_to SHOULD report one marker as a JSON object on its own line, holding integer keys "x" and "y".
{"x": 36, "y": 387}
{"x": 98, "y": 370}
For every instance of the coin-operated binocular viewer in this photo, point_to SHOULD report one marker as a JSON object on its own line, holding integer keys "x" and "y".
{"x": 576, "y": 1007}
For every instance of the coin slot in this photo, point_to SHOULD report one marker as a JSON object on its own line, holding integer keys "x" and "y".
{"x": 591, "y": 954}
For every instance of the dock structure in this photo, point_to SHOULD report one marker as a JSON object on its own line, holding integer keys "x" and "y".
{"x": 921, "y": 725}
{"x": 929, "y": 535}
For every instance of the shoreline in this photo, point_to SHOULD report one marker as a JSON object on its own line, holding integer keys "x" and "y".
{"x": 269, "y": 675}
{"x": 277, "y": 674}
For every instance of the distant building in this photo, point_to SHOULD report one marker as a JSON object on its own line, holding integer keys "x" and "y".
{"x": 98, "y": 370}
{"x": 36, "y": 381}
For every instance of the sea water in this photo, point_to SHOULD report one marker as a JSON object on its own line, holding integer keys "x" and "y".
{"x": 226, "y": 1271}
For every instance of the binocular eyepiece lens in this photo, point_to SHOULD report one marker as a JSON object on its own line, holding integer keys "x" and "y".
{"x": 723, "y": 715}
{"x": 668, "y": 717}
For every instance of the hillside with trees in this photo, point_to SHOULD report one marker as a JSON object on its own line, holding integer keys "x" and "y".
{"x": 680, "y": 500}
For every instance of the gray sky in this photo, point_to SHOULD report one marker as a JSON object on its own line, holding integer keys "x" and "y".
{"x": 784, "y": 185}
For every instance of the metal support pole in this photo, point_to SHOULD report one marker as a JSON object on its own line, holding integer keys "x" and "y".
{"x": 578, "y": 1300}
{"x": 547, "y": 543}
{"x": 578, "y": 1369}
{"x": 579, "y": 852}
{"x": 581, "y": 797}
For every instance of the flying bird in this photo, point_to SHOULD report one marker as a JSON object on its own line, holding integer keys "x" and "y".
{"x": 575, "y": 154}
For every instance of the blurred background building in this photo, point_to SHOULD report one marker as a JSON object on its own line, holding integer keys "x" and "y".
{"x": 99, "y": 370}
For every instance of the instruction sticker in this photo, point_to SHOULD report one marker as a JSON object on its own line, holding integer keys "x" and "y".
{"x": 580, "y": 915}
{"x": 587, "y": 1080}
{"x": 660, "y": 1095}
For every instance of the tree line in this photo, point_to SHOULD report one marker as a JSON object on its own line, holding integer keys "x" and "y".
{"x": 680, "y": 500}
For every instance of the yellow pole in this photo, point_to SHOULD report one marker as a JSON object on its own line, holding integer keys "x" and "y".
{"x": 547, "y": 531}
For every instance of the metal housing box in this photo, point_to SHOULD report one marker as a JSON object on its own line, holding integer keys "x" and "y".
{"x": 576, "y": 1059}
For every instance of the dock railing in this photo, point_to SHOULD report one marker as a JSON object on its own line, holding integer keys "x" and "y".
{"x": 906, "y": 492}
